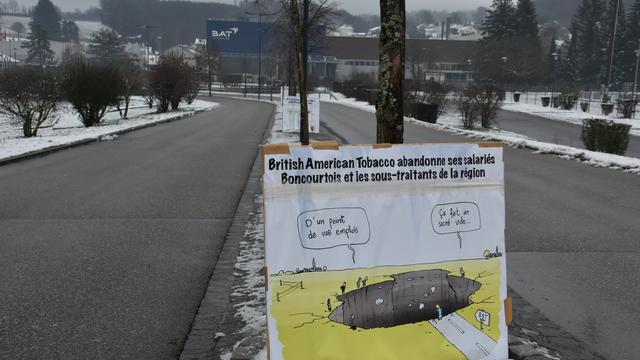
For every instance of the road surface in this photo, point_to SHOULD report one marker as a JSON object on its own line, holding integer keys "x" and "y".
{"x": 106, "y": 249}
{"x": 552, "y": 131}
{"x": 572, "y": 233}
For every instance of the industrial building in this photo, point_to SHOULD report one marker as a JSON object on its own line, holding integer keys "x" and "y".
{"x": 245, "y": 47}
{"x": 441, "y": 60}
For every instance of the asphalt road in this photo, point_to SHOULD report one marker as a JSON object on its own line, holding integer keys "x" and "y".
{"x": 552, "y": 131}
{"x": 106, "y": 249}
{"x": 572, "y": 236}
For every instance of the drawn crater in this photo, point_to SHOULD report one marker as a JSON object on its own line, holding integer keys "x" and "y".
{"x": 407, "y": 299}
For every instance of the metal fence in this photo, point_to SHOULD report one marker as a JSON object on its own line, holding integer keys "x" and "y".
{"x": 592, "y": 98}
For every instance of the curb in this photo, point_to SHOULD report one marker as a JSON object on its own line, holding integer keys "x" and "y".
{"x": 56, "y": 148}
{"x": 203, "y": 335}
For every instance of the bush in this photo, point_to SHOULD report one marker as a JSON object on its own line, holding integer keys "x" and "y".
{"x": 170, "y": 81}
{"x": 29, "y": 95}
{"x": 91, "y": 87}
{"x": 567, "y": 99}
{"x": 490, "y": 98}
{"x": 436, "y": 94}
{"x": 468, "y": 105}
{"x": 132, "y": 81}
{"x": 480, "y": 101}
{"x": 193, "y": 87}
{"x": 425, "y": 112}
{"x": 605, "y": 136}
{"x": 584, "y": 105}
{"x": 627, "y": 106}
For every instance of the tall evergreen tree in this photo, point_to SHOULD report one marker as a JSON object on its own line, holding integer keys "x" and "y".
{"x": 106, "y": 45}
{"x": 38, "y": 45}
{"x": 589, "y": 41}
{"x": 70, "y": 31}
{"x": 612, "y": 72}
{"x": 510, "y": 52}
{"x": 47, "y": 16}
{"x": 499, "y": 23}
{"x": 526, "y": 20}
{"x": 631, "y": 41}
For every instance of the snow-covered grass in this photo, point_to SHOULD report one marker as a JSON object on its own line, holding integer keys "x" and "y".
{"x": 249, "y": 296}
{"x": 571, "y": 116}
{"x": 65, "y": 127}
{"x": 453, "y": 123}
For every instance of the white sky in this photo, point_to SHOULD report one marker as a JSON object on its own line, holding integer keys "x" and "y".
{"x": 353, "y": 6}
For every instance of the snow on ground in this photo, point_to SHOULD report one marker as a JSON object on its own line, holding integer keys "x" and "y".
{"x": 570, "y": 116}
{"x": 250, "y": 295}
{"x": 453, "y": 123}
{"x": 65, "y": 127}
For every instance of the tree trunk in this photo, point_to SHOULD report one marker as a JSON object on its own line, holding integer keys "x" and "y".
{"x": 299, "y": 35}
{"x": 292, "y": 69}
{"x": 389, "y": 109}
{"x": 26, "y": 129}
{"x": 127, "y": 100}
{"x": 304, "y": 111}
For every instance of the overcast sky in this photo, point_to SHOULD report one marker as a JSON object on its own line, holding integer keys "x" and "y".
{"x": 353, "y": 6}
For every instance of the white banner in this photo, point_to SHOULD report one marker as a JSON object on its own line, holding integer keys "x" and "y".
{"x": 291, "y": 114}
{"x": 391, "y": 253}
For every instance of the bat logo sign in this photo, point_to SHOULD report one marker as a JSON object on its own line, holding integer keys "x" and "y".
{"x": 224, "y": 34}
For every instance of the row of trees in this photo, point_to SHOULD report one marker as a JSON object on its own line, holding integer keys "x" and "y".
{"x": 598, "y": 44}
{"x": 30, "y": 94}
{"x": 104, "y": 45}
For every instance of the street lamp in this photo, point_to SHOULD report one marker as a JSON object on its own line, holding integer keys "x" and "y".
{"x": 147, "y": 27}
{"x": 553, "y": 72}
{"x": 612, "y": 49}
{"x": 260, "y": 14}
{"x": 635, "y": 79}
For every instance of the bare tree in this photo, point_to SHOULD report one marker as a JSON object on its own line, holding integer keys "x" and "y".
{"x": 389, "y": 109}
{"x": 29, "y": 95}
{"x": 306, "y": 17}
{"x": 131, "y": 76}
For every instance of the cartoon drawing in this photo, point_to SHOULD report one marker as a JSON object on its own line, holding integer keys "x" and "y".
{"x": 330, "y": 228}
{"x": 406, "y": 299}
{"x": 395, "y": 304}
{"x": 456, "y": 218}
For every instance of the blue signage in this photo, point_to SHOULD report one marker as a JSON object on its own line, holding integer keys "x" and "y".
{"x": 238, "y": 37}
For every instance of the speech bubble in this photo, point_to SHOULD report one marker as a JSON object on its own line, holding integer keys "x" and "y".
{"x": 330, "y": 228}
{"x": 456, "y": 218}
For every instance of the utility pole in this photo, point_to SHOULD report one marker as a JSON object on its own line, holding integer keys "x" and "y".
{"x": 613, "y": 48}
{"x": 148, "y": 28}
{"x": 635, "y": 79}
{"x": 260, "y": 14}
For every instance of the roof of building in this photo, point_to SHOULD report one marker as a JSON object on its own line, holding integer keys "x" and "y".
{"x": 364, "y": 48}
